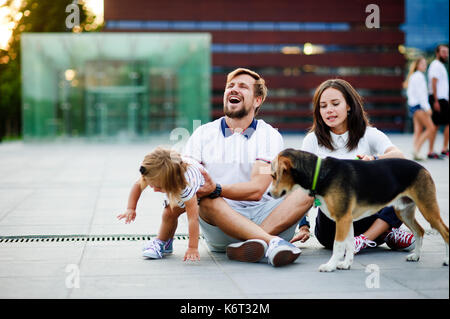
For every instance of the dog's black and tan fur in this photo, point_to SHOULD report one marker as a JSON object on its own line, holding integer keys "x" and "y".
{"x": 353, "y": 189}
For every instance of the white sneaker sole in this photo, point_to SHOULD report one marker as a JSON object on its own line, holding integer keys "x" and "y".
{"x": 252, "y": 250}
{"x": 147, "y": 254}
{"x": 284, "y": 255}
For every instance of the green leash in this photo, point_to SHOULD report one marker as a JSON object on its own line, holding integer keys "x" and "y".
{"x": 314, "y": 183}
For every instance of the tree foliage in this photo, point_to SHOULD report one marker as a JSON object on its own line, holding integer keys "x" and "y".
{"x": 35, "y": 16}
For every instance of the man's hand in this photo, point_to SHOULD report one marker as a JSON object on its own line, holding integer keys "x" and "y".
{"x": 436, "y": 106}
{"x": 302, "y": 235}
{"x": 208, "y": 187}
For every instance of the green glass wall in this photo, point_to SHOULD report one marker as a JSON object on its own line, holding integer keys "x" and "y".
{"x": 109, "y": 85}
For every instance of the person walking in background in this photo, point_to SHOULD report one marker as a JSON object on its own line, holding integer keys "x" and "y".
{"x": 438, "y": 98}
{"x": 419, "y": 108}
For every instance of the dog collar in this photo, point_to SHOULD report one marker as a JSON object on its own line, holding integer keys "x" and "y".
{"x": 314, "y": 182}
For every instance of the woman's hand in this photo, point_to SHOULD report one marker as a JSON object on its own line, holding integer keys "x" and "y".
{"x": 390, "y": 152}
{"x": 366, "y": 157}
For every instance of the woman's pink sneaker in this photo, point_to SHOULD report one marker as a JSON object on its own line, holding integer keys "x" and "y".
{"x": 398, "y": 239}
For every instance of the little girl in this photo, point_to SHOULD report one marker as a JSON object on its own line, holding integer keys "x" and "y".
{"x": 179, "y": 178}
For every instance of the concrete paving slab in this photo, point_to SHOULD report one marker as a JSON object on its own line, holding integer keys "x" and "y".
{"x": 33, "y": 288}
{"x": 14, "y": 230}
{"x": 157, "y": 287}
{"x": 79, "y": 188}
{"x": 35, "y": 252}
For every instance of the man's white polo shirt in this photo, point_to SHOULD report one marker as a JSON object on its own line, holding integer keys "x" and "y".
{"x": 229, "y": 157}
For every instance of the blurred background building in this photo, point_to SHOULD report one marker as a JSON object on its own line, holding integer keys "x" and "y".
{"x": 426, "y": 24}
{"x": 294, "y": 45}
{"x": 105, "y": 85}
{"x": 57, "y": 84}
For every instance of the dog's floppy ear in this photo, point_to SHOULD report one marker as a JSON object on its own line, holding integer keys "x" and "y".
{"x": 284, "y": 164}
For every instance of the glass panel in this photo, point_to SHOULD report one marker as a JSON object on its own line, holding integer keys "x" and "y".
{"x": 103, "y": 85}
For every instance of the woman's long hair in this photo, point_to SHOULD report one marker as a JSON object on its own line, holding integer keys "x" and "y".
{"x": 412, "y": 68}
{"x": 357, "y": 120}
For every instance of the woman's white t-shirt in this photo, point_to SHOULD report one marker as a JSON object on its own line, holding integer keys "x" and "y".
{"x": 417, "y": 92}
{"x": 373, "y": 142}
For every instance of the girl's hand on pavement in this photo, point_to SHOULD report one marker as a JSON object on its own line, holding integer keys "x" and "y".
{"x": 129, "y": 215}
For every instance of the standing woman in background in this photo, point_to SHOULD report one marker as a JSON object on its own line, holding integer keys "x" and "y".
{"x": 419, "y": 107}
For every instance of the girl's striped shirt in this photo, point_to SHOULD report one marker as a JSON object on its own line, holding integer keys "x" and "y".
{"x": 194, "y": 179}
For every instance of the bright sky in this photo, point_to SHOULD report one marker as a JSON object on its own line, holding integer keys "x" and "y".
{"x": 96, "y": 6}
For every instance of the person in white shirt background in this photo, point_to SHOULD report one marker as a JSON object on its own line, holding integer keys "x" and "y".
{"x": 438, "y": 98}
{"x": 419, "y": 108}
{"x": 341, "y": 129}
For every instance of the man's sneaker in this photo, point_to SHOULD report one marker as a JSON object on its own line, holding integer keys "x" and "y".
{"x": 252, "y": 250}
{"x": 445, "y": 153}
{"x": 434, "y": 155}
{"x": 156, "y": 248}
{"x": 362, "y": 242}
{"x": 398, "y": 239}
{"x": 281, "y": 252}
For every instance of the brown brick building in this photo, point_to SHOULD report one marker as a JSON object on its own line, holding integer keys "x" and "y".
{"x": 293, "y": 44}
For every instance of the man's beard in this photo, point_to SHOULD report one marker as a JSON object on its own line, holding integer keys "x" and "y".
{"x": 443, "y": 60}
{"x": 236, "y": 114}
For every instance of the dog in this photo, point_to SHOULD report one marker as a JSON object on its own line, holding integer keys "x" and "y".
{"x": 353, "y": 189}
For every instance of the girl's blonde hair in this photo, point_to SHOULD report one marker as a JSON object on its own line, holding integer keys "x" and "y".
{"x": 412, "y": 68}
{"x": 165, "y": 168}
